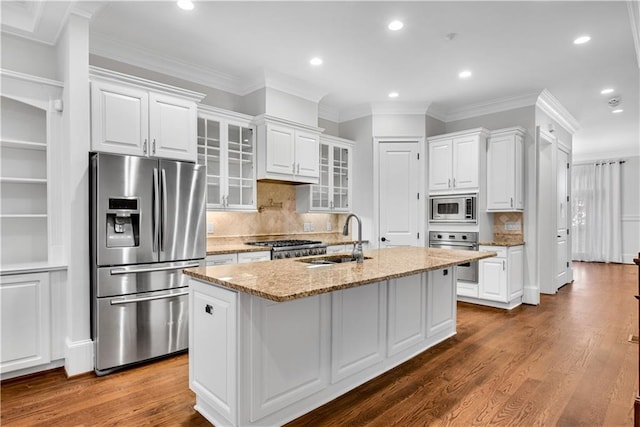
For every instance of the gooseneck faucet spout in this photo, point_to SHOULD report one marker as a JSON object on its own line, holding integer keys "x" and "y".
{"x": 357, "y": 247}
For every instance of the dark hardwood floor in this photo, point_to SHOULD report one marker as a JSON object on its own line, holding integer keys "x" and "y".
{"x": 566, "y": 362}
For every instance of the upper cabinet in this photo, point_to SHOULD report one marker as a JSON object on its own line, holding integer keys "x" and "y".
{"x": 454, "y": 161}
{"x": 505, "y": 164}
{"x": 287, "y": 151}
{"x": 134, "y": 116}
{"x": 333, "y": 191}
{"x": 226, "y": 145}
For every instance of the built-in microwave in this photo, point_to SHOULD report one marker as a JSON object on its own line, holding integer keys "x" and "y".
{"x": 453, "y": 208}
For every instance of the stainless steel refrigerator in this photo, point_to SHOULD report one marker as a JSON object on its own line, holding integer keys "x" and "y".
{"x": 147, "y": 224}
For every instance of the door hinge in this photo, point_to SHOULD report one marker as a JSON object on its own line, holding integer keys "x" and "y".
{"x": 567, "y": 198}
{"x": 418, "y": 235}
{"x": 567, "y": 264}
{"x": 567, "y": 165}
{"x": 418, "y": 156}
{"x": 418, "y": 196}
{"x": 567, "y": 231}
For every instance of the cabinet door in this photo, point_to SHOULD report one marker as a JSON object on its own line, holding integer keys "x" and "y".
{"x": 172, "y": 127}
{"x": 320, "y": 193}
{"x": 441, "y": 302}
{"x": 358, "y": 329}
{"x": 119, "y": 119}
{"x": 212, "y": 346}
{"x": 211, "y": 154}
{"x": 307, "y": 154}
{"x": 341, "y": 191}
{"x": 440, "y": 155}
{"x": 280, "y": 150}
{"x": 466, "y": 163}
{"x": 518, "y": 173}
{"x": 500, "y": 173}
{"x": 241, "y": 178}
{"x": 516, "y": 271}
{"x": 25, "y": 320}
{"x": 407, "y": 308}
{"x": 493, "y": 277}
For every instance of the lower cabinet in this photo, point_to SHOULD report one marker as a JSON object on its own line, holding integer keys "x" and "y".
{"x": 25, "y": 318}
{"x": 501, "y": 278}
{"x": 237, "y": 258}
{"x": 255, "y": 362}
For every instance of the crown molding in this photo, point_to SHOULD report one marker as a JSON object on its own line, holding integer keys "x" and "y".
{"x": 492, "y": 106}
{"x": 437, "y": 112}
{"x": 30, "y": 78}
{"x": 142, "y": 57}
{"x": 400, "y": 108}
{"x": 293, "y": 86}
{"x": 551, "y": 106}
{"x": 595, "y": 156}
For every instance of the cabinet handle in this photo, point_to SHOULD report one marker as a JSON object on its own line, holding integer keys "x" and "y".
{"x": 454, "y": 183}
{"x": 512, "y": 202}
{"x": 298, "y": 168}
{"x": 504, "y": 265}
{"x": 293, "y": 166}
{"x": 208, "y": 309}
{"x": 154, "y": 146}
{"x": 449, "y": 183}
{"x": 144, "y": 146}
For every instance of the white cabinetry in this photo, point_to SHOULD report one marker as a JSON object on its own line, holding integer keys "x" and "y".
{"x": 407, "y": 302}
{"x": 25, "y": 319}
{"x": 237, "y": 258}
{"x": 287, "y": 151}
{"x": 226, "y": 145}
{"x": 358, "y": 322}
{"x": 441, "y": 297}
{"x": 455, "y": 161}
{"x": 333, "y": 191}
{"x": 134, "y": 116}
{"x": 501, "y": 278}
{"x": 505, "y": 164}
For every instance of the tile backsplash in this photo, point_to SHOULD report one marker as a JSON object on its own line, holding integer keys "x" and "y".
{"x": 508, "y": 225}
{"x": 278, "y": 216}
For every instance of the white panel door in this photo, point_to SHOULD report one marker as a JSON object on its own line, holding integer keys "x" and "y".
{"x": 358, "y": 329}
{"x": 172, "y": 127}
{"x": 307, "y": 153}
{"x": 398, "y": 193}
{"x": 440, "y": 165}
{"x": 119, "y": 119}
{"x": 465, "y": 163}
{"x": 25, "y": 320}
{"x": 280, "y": 150}
{"x": 562, "y": 220}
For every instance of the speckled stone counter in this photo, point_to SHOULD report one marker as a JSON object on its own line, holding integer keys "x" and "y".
{"x": 288, "y": 279}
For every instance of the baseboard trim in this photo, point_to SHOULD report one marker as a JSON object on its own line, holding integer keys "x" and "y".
{"x": 79, "y": 357}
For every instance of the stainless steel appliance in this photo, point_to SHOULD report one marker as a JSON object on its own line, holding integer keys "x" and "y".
{"x": 147, "y": 224}
{"x": 467, "y": 272}
{"x": 453, "y": 208}
{"x": 292, "y": 248}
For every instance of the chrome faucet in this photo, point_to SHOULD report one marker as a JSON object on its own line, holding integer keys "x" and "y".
{"x": 357, "y": 247}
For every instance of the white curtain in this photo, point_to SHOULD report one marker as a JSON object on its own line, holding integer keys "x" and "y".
{"x": 596, "y": 206}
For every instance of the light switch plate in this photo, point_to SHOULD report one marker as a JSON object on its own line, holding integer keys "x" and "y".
{"x": 209, "y": 228}
{"x": 329, "y": 226}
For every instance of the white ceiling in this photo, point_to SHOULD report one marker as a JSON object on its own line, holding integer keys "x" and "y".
{"x": 513, "y": 48}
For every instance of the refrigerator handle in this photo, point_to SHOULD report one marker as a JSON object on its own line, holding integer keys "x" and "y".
{"x": 156, "y": 209}
{"x": 163, "y": 229}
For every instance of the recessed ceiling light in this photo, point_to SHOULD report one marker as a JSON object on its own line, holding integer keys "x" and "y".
{"x": 316, "y": 61}
{"x": 582, "y": 40}
{"x": 606, "y": 91}
{"x": 185, "y": 4}
{"x": 619, "y": 110}
{"x": 464, "y": 74}
{"x": 393, "y": 94}
{"x": 395, "y": 25}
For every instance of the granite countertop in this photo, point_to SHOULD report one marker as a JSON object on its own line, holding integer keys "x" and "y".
{"x": 238, "y": 244}
{"x": 506, "y": 243}
{"x": 288, "y": 279}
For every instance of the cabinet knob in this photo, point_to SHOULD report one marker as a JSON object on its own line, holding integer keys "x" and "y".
{"x": 208, "y": 309}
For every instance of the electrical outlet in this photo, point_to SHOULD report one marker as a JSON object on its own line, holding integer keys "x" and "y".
{"x": 307, "y": 226}
{"x": 329, "y": 226}
{"x": 209, "y": 228}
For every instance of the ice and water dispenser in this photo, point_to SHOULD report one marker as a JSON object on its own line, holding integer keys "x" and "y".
{"x": 123, "y": 223}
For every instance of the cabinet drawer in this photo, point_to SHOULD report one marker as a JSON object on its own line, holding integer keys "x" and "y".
{"x": 467, "y": 289}
{"x": 501, "y": 251}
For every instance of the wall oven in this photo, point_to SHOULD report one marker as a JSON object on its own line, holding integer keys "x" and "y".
{"x": 453, "y": 209}
{"x": 467, "y": 272}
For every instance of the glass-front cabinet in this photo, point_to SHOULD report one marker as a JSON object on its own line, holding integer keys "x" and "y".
{"x": 333, "y": 191}
{"x": 226, "y": 145}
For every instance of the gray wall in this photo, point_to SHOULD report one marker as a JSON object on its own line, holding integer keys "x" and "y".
{"x": 434, "y": 127}
{"x": 330, "y": 128}
{"x": 29, "y": 57}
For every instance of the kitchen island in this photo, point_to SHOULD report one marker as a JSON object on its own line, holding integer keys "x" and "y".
{"x": 270, "y": 341}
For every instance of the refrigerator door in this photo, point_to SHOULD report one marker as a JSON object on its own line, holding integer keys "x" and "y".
{"x": 183, "y": 207}
{"x": 125, "y": 209}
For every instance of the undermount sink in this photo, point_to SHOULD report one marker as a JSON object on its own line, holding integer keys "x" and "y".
{"x": 330, "y": 259}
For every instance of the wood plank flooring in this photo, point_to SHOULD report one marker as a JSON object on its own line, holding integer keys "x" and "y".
{"x": 566, "y": 362}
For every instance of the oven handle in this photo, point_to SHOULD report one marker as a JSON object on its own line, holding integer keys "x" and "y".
{"x": 473, "y": 247}
{"x": 165, "y": 296}
{"x": 128, "y": 270}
